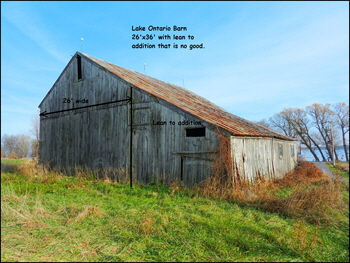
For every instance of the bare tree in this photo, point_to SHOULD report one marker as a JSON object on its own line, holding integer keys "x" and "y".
{"x": 35, "y": 129}
{"x": 312, "y": 127}
{"x": 265, "y": 123}
{"x": 298, "y": 120}
{"x": 9, "y": 144}
{"x": 3, "y": 154}
{"x": 322, "y": 118}
{"x": 23, "y": 145}
{"x": 16, "y": 145}
{"x": 341, "y": 112}
{"x": 282, "y": 124}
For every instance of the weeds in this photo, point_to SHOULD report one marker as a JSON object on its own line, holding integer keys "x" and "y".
{"x": 341, "y": 169}
{"x": 109, "y": 174}
{"x": 47, "y": 217}
{"x": 304, "y": 193}
{"x": 88, "y": 210}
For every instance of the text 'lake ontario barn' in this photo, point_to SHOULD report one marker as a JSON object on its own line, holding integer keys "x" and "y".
{"x": 99, "y": 115}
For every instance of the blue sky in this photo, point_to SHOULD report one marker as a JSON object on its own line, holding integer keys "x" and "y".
{"x": 259, "y": 57}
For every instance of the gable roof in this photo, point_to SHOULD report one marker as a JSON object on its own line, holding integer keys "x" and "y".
{"x": 189, "y": 102}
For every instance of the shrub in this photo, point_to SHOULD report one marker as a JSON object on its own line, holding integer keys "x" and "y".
{"x": 12, "y": 156}
{"x": 311, "y": 194}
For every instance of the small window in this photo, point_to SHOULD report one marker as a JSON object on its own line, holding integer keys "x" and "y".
{"x": 280, "y": 150}
{"x": 195, "y": 132}
{"x": 79, "y": 67}
{"x": 292, "y": 150}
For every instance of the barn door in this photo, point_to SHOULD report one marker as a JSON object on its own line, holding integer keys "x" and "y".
{"x": 194, "y": 170}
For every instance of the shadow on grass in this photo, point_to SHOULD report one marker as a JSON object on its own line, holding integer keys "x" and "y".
{"x": 8, "y": 168}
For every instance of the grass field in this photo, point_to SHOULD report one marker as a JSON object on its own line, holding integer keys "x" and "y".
{"x": 49, "y": 217}
{"x": 341, "y": 169}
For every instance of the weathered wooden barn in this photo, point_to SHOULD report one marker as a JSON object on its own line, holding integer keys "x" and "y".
{"x": 100, "y": 115}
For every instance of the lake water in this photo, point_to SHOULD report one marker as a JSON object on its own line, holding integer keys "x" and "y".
{"x": 307, "y": 155}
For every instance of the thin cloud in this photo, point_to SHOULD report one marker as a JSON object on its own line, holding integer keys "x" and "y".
{"x": 27, "y": 20}
{"x": 259, "y": 57}
{"x": 292, "y": 64}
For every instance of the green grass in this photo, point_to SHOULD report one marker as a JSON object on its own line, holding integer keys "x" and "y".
{"x": 14, "y": 161}
{"x": 74, "y": 219}
{"x": 338, "y": 170}
{"x": 9, "y": 165}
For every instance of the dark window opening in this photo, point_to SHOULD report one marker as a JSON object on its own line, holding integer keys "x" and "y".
{"x": 195, "y": 132}
{"x": 79, "y": 67}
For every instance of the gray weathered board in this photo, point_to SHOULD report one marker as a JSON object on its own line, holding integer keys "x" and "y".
{"x": 99, "y": 136}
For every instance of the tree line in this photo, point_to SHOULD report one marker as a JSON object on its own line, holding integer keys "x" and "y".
{"x": 316, "y": 127}
{"x": 22, "y": 145}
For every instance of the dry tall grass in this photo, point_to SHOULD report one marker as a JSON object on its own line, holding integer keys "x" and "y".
{"x": 313, "y": 195}
{"x": 36, "y": 172}
{"x": 109, "y": 174}
{"x": 88, "y": 210}
{"x": 42, "y": 173}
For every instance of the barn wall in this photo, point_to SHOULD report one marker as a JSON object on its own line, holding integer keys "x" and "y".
{"x": 254, "y": 157}
{"x": 99, "y": 137}
{"x": 163, "y": 153}
{"x": 96, "y": 137}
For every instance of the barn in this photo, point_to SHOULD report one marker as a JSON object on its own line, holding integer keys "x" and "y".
{"x": 100, "y": 115}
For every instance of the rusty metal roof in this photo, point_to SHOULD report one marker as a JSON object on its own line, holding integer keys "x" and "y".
{"x": 190, "y": 102}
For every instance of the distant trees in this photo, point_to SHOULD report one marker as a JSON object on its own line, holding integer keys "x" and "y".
{"x": 22, "y": 145}
{"x": 16, "y": 146}
{"x": 265, "y": 123}
{"x": 35, "y": 132}
{"x": 321, "y": 117}
{"x": 314, "y": 127}
{"x": 341, "y": 113}
{"x": 280, "y": 122}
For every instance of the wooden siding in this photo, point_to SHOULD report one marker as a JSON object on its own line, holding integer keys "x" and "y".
{"x": 99, "y": 136}
{"x": 254, "y": 157}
